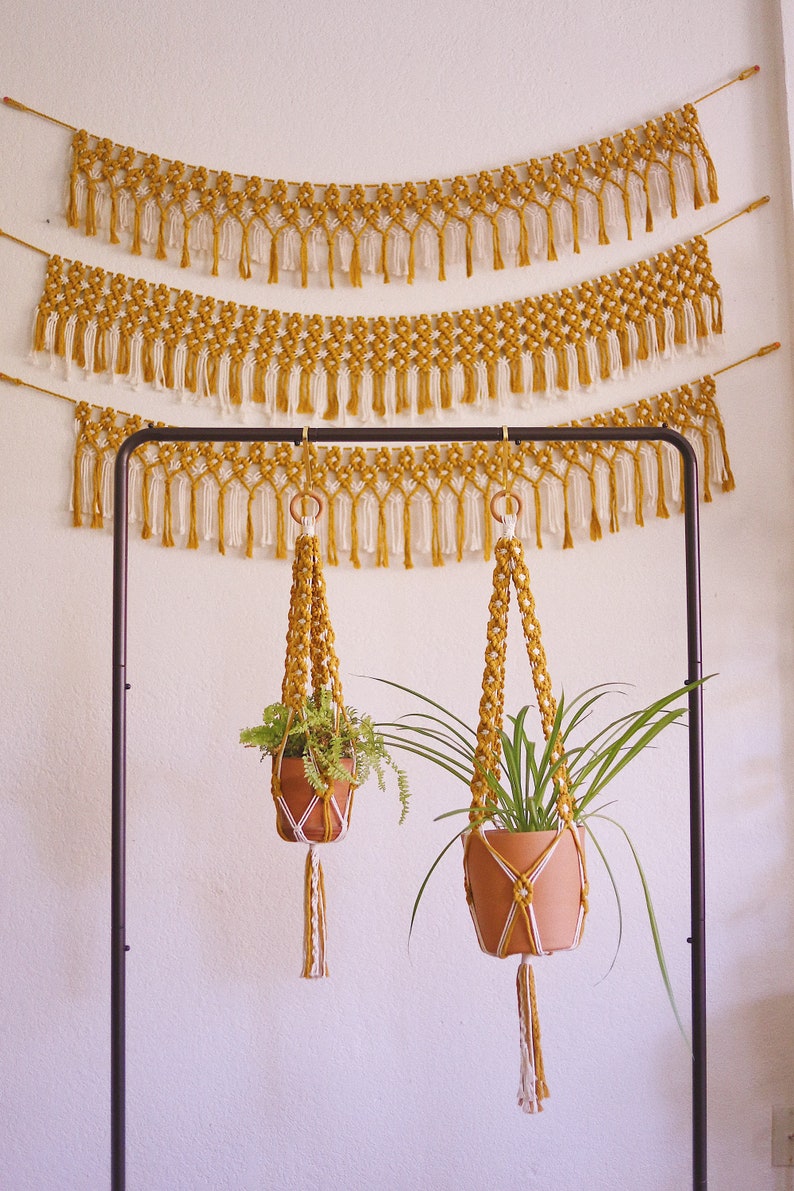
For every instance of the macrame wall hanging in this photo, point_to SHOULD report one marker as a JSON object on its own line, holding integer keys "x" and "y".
{"x": 304, "y": 366}
{"x": 509, "y": 215}
{"x": 393, "y": 501}
{"x": 507, "y": 875}
{"x": 294, "y": 366}
{"x": 396, "y": 502}
{"x": 307, "y": 366}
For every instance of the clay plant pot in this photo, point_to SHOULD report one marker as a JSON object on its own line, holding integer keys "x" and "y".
{"x": 555, "y": 895}
{"x": 298, "y": 794}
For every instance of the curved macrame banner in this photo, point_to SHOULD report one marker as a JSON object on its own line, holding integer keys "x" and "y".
{"x": 388, "y": 502}
{"x": 510, "y": 215}
{"x": 305, "y": 366}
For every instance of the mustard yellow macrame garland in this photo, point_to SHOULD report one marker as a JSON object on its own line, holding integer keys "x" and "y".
{"x": 509, "y": 215}
{"x": 305, "y": 366}
{"x": 389, "y": 502}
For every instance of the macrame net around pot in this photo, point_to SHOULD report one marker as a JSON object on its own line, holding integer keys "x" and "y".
{"x": 305, "y": 814}
{"x": 527, "y": 891}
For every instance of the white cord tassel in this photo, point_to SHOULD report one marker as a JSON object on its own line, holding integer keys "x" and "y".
{"x": 532, "y": 1087}
{"x": 314, "y": 936}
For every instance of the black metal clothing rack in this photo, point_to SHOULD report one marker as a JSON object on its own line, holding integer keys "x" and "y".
{"x": 468, "y": 434}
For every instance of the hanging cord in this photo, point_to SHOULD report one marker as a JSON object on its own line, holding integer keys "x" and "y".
{"x": 749, "y": 73}
{"x": 307, "y": 460}
{"x": 24, "y": 243}
{"x": 510, "y": 569}
{"x": 308, "y": 481}
{"x": 506, "y": 464}
{"x": 311, "y": 663}
{"x": 754, "y": 206}
{"x": 508, "y": 518}
{"x": 520, "y": 931}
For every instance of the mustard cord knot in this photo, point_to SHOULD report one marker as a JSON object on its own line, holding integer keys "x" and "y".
{"x": 523, "y": 891}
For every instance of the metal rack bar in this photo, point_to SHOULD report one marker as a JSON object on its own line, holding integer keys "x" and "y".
{"x": 370, "y": 435}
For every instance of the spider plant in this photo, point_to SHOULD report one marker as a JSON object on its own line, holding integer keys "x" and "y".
{"x": 522, "y": 793}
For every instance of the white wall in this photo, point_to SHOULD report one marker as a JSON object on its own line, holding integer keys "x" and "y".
{"x": 400, "y": 1071}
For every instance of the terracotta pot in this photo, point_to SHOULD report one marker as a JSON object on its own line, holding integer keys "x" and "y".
{"x": 555, "y": 895}
{"x": 298, "y": 794}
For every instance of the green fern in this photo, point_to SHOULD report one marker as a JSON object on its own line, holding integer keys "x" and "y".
{"x": 323, "y": 743}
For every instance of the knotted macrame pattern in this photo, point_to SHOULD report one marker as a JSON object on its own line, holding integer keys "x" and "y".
{"x": 307, "y": 366}
{"x": 506, "y": 216}
{"x": 388, "y": 503}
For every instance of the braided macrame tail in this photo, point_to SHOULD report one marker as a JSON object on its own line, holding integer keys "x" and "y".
{"x": 314, "y": 930}
{"x": 532, "y": 1086}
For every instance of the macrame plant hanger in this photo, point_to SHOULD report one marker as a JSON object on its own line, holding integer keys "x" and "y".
{"x": 305, "y": 814}
{"x": 549, "y": 434}
{"x": 519, "y": 925}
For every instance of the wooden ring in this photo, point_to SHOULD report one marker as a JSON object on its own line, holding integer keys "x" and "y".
{"x": 305, "y": 494}
{"x": 507, "y": 496}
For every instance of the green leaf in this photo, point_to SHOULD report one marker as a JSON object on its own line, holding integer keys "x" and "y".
{"x": 657, "y": 939}
{"x": 429, "y": 874}
{"x": 424, "y": 699}
{"x": 616, "y": 892}
{"x": 431, "y": 755}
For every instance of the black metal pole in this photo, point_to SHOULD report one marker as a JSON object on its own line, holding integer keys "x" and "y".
{"x": 118, "y": 827}
{"x": 696, "y": 818}
{"x": 371, "y": 435}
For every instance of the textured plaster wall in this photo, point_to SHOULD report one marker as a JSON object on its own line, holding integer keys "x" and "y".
{"x": 398, "y": 1073}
